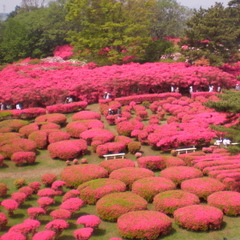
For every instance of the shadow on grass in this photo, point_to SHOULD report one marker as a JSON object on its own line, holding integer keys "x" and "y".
{"x": 17, "y": 215}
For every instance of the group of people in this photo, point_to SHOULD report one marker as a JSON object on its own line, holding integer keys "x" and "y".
{"x": 114, "y": 112}
{"x": 4, "y": 106}
{"x": 226, "y": 142}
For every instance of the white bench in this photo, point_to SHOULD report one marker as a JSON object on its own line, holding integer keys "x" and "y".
{"x": 185, "y": 150}
{"x": 114, "y": 156}
{"x": 234, "y": 143}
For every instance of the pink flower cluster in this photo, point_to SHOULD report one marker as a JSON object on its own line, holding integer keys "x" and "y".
{"x": 64, "y": 51}
{"x": 144, "y": 225}
{"x": 92, "y": 221}
{"x": 152, "y": 162}
{"x": 20, "y": 158}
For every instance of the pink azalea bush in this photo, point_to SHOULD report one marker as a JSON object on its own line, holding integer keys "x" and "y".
{"x": 129, "y": 175}
{"x": 47, "y": 192}
{"x": 112, "y": 206}
{"x": 57, "y": 225}
{"x": 44, "y": 235}
{"x": 13, "y": 236}
{"x": 149, "y": 187}
{"x": 202, "y": 187}
{"x": 19, "y": 197}
{"x": 3, "y": 189}
{"x": 58, "y": 136}
{"x": 168, "y": 201}
{"x": 199, "y": 217}
{"x": 72, "y": 204}
{"x": 27, "y": 190}
{"x": 10, "y": 205}
{"x": 227, "y": 201}
{"x": 151, "y": 162}
{"x": 110, "y": 147}
{"x": 67, "y": 149}
{"x": 20, "y": 158}
{"x": 113, "y": 164}
{"x": 86, "y": 115}
{"x": 76, "y": 128}
{"x": 70, "y": 194}
{"x": 3, "y": 220}
{"x": 35, "y": 186}
{"x": 45, "y": 202}
{"x": 75, "y": 175}
{"x": 93, "y": 190}
{"x": 35, "y": 212}
{"x": 92, "y": 221}
{"x": 144, "y": 225}
{"x": 180, "y": 173}
{"x": 64, "y": 51}
{"x": 126, "y": 127}
{"x": 57, "y": 118}
{"x": 171, "y": 161}
{"x": 60, "y": 214}
{"x": 48, "y": 178}
{"x": 83, "y": 233}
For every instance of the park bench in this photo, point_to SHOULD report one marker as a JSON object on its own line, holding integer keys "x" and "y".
{"x": 114, "y": 156}
{"x": 185, "y": 150}
{"x": 234, "y": 143}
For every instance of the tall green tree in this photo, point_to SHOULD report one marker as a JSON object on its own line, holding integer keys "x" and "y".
{"x": 213, "y": 34}
{"x": 169, "y": 18}
{"x": 110, "y": 29}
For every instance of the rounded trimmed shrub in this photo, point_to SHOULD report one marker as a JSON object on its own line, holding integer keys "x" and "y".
{"x": 26, "y": 130}
{"x": 151, "y": 162}
{"x": 3, "y": 220}
{"x": 129, "y": 175}
{"x": 134, "y": 146}
{"x": 50, "y": 125}
{"x": 76, "y": 128}
{"x": 13, "y": 124}
{"x": 93, "y": 190}
{"x": 75, "y": 175}
{"x": 86, "y": 115}
{"x": 3, "y": 189}
{"x": 57, "y": 118}
{"x": 109, "y": 147}
{"x": 67, "y": 149}
{"x": 180, "y": 173}
{"x": 199, "y": 217}
{"x": 227, "y": 201}
{"x": 114, "y": 164}
{"x": 20, "y": 158}
{"x": 58, "y": 136}
{"x": 48, "y": 178}
{"x": 149, "y": 187}
{"x": 169, "y": 201}
{"x": 202, "y": 187}
{"x": 113, "y": 205}
{"x": 144, "y": 225}
{"x": 171, "y": 161}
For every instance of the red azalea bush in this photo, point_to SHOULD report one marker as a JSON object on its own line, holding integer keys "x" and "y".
{"x": 35, "y": 212}
{"x": 152, "y": 162}
{"x": 113, "y": 205}
{"x": 44, "y": 235}
{"x": 57, "y": 118}
{"x": 202, "y": 187}
{"x": 57, "y": 225}
{"x": 110, "y": 147}
{"x": 86, "y": 115}
{"x": 144, "y": 225}
{"x": 72, "y": 204}
{"x": 27, "y": 190}
{"x": 97, "y": 134}
{"x": 13, "y": 145}
{"x": 114, "y": 164}
{"x": 93, "y": 190}
{"x": 60, "y": 214}
{"x": 75, "y": 175}
{"x": 149, "y": 187}
{"x": 180, "y": 173}
{"x": 199, "y": 217}
{"x": 58, "y": 136}
{"x": 3, "y": 189}
{"x": 83, "y": 233}
{"x": 129, "y": 175}
{"x": 169, "y": 201}
{"x": 76, "y": 128}
{"x": 3, "y": 220}
{"x": 48, "y": 178}
{"x": 67, "y": 149}
{"x": 227, "y": 201}
{"x": 89, "y": 221}
{"x": 20, "y": 158}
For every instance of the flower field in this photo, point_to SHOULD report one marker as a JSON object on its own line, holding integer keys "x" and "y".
{"x": 55, "y": 183}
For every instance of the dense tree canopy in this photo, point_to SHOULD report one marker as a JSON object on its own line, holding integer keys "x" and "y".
{"x": 110, "y": 29}
{"x": 213, "y": 34}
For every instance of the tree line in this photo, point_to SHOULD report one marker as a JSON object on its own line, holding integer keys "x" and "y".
{"x": 119, "y": 31}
